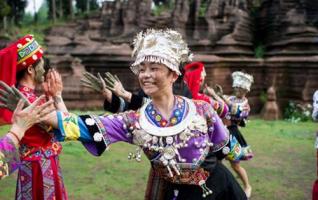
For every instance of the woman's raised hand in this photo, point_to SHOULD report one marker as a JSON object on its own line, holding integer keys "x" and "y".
{"x": 23, "y": 119}
{"x": 114, "y": 84}
{"x": 10, "y": 96}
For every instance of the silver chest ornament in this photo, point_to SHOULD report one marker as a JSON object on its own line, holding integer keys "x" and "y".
{"x": 168, "y": 140}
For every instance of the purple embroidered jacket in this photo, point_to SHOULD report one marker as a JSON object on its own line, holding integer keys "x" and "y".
{"x": 181, "y": 142}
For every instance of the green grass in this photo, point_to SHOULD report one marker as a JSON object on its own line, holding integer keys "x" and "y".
{"x": 284, "y": 166}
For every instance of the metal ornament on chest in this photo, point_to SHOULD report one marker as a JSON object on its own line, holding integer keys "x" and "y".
{"x": 167, "y": 146}
{"x": 167, "y": 141}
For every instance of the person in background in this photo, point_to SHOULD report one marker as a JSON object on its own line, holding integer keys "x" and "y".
{"x": 194, "y": 77}
{"x": 239, "y": 110}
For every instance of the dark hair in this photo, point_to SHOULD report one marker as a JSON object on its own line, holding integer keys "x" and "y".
{"x": 20, "y": 74}
{"x": 47, "y": 65}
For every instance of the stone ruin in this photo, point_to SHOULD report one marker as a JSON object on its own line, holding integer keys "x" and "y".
{"x": 221, "y": 33}
{"x": 271, "y": 109}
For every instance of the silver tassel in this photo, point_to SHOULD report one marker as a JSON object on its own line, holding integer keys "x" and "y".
{"x": 206, "y": 190}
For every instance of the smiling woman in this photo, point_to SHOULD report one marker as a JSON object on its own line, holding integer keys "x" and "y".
{"x": 178, "y": 135}
{"x": 155, "y": 79}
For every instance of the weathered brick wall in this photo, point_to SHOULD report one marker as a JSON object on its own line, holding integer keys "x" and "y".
{"x": 292, "y": 80}
{"x": 223, "y": 38}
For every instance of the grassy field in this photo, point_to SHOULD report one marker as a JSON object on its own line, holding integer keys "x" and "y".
{"x": 283, "y": 168}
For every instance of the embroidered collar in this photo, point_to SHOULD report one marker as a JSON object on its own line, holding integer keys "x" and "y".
{"x": 179, "y": 111}
{"x": 152, "y": 127}
{"x": 25, "y": 88}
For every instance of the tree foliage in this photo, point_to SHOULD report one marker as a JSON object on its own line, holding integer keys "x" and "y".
{"x": 17, "y": 9}
{"x": 62, "y": 8}
{"x": 82, "y": 6}
{"x": 4, "y": 8}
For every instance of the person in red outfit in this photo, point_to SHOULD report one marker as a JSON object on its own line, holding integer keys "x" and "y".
{"x": 39, "y": 178}
{"x": 194, "y": 77}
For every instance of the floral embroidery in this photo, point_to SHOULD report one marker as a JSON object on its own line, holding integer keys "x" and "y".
{"x": 37, "y": 153}
{"x": 176, "y": 117}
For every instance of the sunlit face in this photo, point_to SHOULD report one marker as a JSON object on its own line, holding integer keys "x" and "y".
{"x": 240, "y": 92}
{"x": 155, "y": 79}
{"x": 39, "y": 72}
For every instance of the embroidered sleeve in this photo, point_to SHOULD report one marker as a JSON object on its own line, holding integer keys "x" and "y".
{"x": 136, "y": 102}
{"x": 112, "y": 106}
{"x": 245, "y": 111}
{"x": 95, "y": 132}
{"x": 9, "y": 157}
{"x": 220, "y": 107}
{"x": 218, "y": 133}
{"x": 71, "y": 127}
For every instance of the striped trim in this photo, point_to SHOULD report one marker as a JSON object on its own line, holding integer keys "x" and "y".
{"x": 27, "y": 44}
{"x": 93, "y": 129}
{"x": 28, "y": 49}
{"x": 29, "y": 55}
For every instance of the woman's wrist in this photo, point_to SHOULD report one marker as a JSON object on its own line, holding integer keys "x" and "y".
{"x": 127, "y": 96}
{"x": 18, "y": 130}
{"x": 59, "y": 93}
{"x": 107, "y": 94}
{"x": 57, "y": 99}
{"x": 15, "y": 134}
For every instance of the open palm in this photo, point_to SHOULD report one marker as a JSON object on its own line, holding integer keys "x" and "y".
{"x": 10, "y": 96}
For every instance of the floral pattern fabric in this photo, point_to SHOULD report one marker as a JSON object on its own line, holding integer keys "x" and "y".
{"x": 9, "y": 157}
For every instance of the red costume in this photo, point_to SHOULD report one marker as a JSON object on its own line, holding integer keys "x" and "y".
{"x": 39, "y": 172}
{"x": 193, "y": 78}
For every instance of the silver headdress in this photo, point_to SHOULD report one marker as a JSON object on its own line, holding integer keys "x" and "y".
{"x": 242, "y": 80}
{"x": 160, "y": 46}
